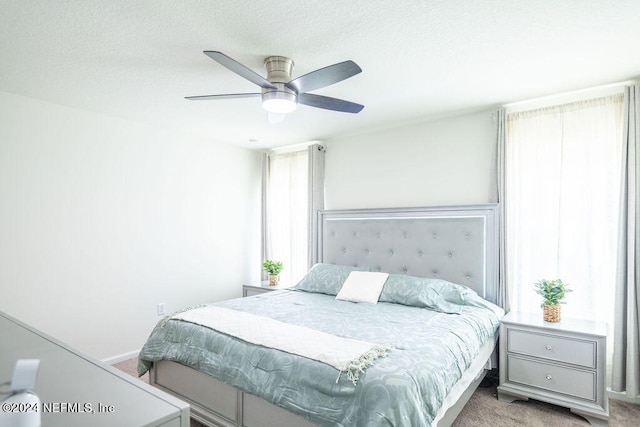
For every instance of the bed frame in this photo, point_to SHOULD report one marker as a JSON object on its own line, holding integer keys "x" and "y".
{"x": 455, "y": 243}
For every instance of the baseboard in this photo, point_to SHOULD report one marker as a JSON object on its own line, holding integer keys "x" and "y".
{"x": 622, "y": 396}
{"x": 121, "y": 357}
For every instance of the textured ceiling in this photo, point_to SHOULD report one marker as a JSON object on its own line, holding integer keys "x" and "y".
{"x": 420, "y": 59}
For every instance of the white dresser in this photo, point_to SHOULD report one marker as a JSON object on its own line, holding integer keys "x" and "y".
{"x": 77, "y": 390}
{"x": 563, "y": 363}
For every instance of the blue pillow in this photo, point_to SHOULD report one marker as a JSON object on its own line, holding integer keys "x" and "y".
{"x": 326, "y": 278}
{"x": 435, "y": 294}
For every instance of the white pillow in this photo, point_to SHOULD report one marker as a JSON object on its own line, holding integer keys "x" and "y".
{"x": 362, "y": 286}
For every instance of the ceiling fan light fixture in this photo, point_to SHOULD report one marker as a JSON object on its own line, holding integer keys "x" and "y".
{"x": 279, "y": 102}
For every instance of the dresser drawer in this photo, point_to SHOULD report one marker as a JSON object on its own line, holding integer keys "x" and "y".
{"x": 553, "y": 347}
{"x": 560, "y": 379}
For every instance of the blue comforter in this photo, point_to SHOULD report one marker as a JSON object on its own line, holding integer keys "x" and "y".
{"x": 430, "y": 351}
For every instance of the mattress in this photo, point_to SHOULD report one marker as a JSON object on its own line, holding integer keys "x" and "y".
{"x": 430, "y": 349}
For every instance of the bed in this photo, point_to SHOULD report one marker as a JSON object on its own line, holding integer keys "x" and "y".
{"x": 421, "y": 350}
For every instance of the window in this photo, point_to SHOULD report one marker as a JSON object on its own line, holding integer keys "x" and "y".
{"x": 563, "y": 171}
{"x": 293, "y": 194}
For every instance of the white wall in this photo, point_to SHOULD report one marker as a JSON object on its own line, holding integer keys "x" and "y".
{"x": 102, "y": 219}
{"x": 445, "y": 162}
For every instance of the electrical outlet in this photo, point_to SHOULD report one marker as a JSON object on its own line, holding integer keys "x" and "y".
{"x": 161, "y": 309}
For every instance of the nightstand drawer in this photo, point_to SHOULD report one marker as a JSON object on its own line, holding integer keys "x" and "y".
{"x": 249, "y": 292}
{"x": 553, "y": 347}
{"x": 261, "y": 288}
{"x": 573, "y": 382}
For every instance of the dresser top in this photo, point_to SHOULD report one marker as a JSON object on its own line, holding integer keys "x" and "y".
{"x": 69, "y": 377}
{"x": 564, "y": 325}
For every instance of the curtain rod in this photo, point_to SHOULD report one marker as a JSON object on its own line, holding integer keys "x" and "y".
{"x": 293, "y": 147}
{"x": 568, "y": 97}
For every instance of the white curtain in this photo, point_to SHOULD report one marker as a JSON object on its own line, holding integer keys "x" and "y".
{"x": 292, "y": 194}
{"x": 561, "y": 204}
{"x": 503, "y": 285}
{"x": 626, "y": 352}
{"x": 316, "y": 197}
{"x": 264, "y": 243}
{"x": 287, "y": 200}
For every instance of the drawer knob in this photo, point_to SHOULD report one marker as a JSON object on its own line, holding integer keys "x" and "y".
{"x": 549, "y": 377}
{"x": 548, "y": 347}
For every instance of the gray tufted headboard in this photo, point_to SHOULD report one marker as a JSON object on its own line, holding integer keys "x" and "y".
{"x": 454, "y": 243}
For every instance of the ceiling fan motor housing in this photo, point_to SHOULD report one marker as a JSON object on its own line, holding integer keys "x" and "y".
{"x": 279, "y": 70}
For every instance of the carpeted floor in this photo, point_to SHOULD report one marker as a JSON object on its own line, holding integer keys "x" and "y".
{"x": 485, "y": 410}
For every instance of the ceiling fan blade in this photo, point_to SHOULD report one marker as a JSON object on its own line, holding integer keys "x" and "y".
{"x": 324, "y": 77}
{"x": 239, "y": 69}
{"x": 328, "y": 103}
{"x": 227, "y": 95}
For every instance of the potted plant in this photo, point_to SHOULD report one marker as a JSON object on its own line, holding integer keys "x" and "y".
{"x": 553, "y": 292}
{"x": 273, "y": 268}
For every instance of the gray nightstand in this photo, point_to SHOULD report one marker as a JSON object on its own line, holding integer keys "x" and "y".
{"x": 260, "y": 288}
{"x": 563, "y": 363}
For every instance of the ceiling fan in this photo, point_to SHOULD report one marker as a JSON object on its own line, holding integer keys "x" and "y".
{"x": 280, "y": 94}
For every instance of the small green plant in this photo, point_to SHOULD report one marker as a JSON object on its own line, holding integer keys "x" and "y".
{"x": 552, "y": 291}
{"x": 272, "y": 267}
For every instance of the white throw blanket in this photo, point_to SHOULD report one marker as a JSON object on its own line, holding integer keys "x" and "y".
{"x": 345, "y": 354}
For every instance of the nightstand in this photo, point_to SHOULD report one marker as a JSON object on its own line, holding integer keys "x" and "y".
{"x": 563, "y": 363}
{"x": 260, "y": 288}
